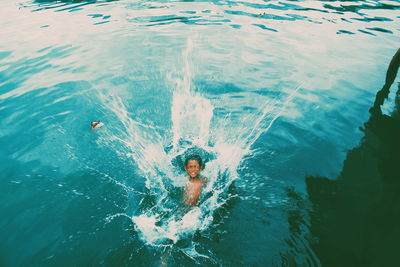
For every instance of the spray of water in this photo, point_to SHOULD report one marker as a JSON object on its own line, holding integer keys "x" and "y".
{"x": 228, "y": 139}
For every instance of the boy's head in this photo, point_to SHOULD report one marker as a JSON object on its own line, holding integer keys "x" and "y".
{"x": 193, "y": 165}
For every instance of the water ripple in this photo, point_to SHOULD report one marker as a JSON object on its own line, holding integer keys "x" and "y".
{"x": 247, "y": 58}
{"x": 259, "y": 13}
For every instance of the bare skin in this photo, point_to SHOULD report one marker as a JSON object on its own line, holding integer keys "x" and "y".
{"x": 194, "y": 185}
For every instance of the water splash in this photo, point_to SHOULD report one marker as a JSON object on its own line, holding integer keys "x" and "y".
{"x": 161, "y": 220}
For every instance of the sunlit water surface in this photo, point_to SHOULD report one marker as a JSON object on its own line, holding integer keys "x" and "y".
{"x": 266, "y": 92}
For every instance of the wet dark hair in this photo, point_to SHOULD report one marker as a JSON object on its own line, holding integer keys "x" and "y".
{"x": 196, "y": 158}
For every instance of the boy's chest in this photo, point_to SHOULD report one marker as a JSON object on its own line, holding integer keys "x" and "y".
{"x": 194, "y": 185}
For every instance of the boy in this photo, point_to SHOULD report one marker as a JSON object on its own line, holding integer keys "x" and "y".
{"x": 193, "y": 166}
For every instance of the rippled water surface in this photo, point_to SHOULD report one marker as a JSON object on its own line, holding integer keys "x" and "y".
{"x": 267, "y": 92}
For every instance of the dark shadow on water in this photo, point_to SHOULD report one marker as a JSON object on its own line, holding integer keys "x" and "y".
{"x": 356, "y": 219}
{"x": 298, "y": 251}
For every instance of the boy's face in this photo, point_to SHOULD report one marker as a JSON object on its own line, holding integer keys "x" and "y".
{"x": 193, "y": 168}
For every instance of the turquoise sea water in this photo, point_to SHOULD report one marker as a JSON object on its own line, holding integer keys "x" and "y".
{"x": 272, "y": 94}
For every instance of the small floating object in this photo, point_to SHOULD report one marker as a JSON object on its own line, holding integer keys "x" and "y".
{"x": 96, "y": 124}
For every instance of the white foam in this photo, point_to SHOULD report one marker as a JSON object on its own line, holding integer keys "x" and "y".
{"x": 228, "y": 138}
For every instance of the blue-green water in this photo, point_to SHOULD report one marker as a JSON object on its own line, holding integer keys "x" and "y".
{"x": 269, "y": 92}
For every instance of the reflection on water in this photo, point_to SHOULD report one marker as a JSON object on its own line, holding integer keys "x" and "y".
{"x": 342, "y": 13}
{"x": 67, "y": 198}
{"x": 356, "y": 218}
